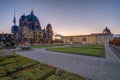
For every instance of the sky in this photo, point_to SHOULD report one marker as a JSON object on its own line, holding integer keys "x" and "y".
{"x": 67, "y": 17}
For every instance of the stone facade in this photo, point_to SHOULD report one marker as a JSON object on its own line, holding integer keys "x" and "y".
{"x": 98, "y": 38}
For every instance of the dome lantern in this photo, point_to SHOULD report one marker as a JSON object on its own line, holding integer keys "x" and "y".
{"x": 32, "y": 13}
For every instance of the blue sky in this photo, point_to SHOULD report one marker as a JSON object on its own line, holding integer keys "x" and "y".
{"x": 68, "y": 17}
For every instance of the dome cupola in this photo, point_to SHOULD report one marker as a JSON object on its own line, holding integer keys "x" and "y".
{"x": 48, "y": 26}
{"x": 23, "y": 16}
{"x": 106, "y": 31}
{"x": 32, "y": 17}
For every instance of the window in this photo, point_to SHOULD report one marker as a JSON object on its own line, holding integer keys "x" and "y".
{"x": 71, "y": 39}
{"x": 84, "y": 39}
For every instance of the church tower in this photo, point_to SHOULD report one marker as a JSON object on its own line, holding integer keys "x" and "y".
{"x": 49, "y": 33}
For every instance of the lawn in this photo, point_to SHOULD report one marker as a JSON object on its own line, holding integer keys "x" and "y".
{"x": 40, "y": 46}
{"x": 91, "y": 50}
{"x": 15, "y": 67}
{"x": 46, "y": 46}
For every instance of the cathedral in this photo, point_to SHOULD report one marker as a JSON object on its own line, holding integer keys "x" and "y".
{"x": 30, "y": 30}
{"x": 95, "y": 38}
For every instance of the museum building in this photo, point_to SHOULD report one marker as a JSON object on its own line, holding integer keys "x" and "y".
{"x": 97, "y": 38}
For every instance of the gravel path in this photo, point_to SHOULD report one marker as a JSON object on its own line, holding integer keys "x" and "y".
{"x": 91, "y": 67}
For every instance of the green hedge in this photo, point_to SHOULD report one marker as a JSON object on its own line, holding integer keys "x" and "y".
{"x": 54, "y": 77}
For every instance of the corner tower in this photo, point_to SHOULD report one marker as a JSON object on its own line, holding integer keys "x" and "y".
{"x": 49, "y": 33}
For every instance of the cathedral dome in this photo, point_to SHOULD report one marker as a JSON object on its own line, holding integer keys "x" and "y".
{"x": 23, "y": 17}
{"x": 32, "y": 18}
{"x": 106, "y": 31}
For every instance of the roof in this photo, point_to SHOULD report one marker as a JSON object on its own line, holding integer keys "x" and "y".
{"x": 49, "y": 26}
{"x": 30, "y": 17}
{"x": 77, "y": 36}
{"x": 95, "y": 34}
{"x": 23, "y": 17}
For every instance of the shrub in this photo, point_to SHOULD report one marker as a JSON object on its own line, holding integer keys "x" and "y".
{"x": 54, "y": 77}
{"x": 20, "y": 68}
{"x": 25, "y": 76}
{"x": 6, "y": 78}
{"x": 2, "y": 73}
{"x": 68, "y": 76}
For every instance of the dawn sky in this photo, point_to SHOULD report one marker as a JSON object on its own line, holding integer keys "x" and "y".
{"x": 67, "y": 17}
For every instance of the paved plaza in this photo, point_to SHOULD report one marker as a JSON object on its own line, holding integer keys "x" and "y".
{"x": 90, "y": 67}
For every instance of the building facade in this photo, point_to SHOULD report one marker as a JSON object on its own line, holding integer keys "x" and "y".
{"x": 97, "y": 38}
{"x": 30, "y": 29}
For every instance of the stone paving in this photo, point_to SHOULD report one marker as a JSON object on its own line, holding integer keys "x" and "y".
{"x": 110, "y": 54}
{"x": 117, "y": 52}
{"x": 4, "y": 52}
{"x": 90, "y": 67}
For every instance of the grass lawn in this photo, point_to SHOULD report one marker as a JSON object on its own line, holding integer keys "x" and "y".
{"x": 15, "y": 67}
{"x": 91, "y": 50}
{"x": 46, "y": 46}
{"x": 40, "y": 46}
